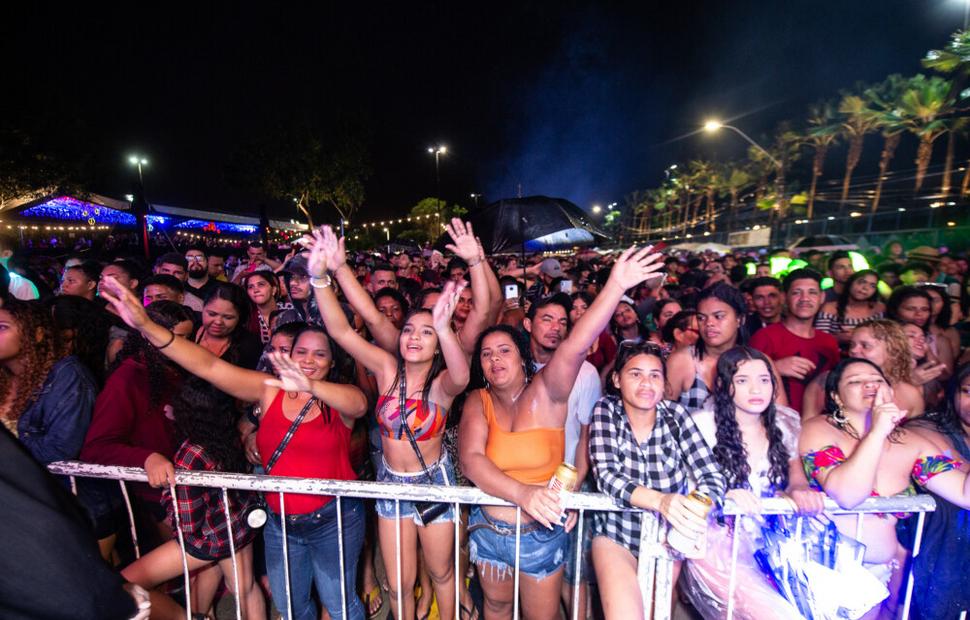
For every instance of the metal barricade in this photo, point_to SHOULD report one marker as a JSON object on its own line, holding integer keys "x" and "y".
{"x": 654, "y": 570}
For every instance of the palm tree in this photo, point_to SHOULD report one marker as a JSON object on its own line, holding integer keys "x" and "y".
{"x": 823, "y": 132}
{"x": 922, "y": 109}
{"x": 881, "y": 100}
{"x": 736, "y": 177}
{"x": 856, "y": 123}
{"x": 954, "y": 59}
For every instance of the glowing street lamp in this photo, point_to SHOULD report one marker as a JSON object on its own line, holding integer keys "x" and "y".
{"x": 597, "y": 209}
{"x": 138, "y": 161}
{"x": 713, "y": 125}
{"x": 438, "y": 151}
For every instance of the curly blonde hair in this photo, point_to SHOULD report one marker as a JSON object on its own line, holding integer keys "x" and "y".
{"x": 898, "y": 362}
{"x": 38, "y": 352}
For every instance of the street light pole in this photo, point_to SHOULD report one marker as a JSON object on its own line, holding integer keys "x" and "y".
{"x": 475, "y": 197}
{"x": 438, "y": 151}
{"x": 712, "y": 126}
{"x": 140, "y": 205}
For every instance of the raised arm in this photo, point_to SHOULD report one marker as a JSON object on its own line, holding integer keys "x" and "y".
{"x": 375, "y": 358}
{"x": 380, "y": 327}
{"x": 633, "y": 267}
{"x": 456, "y": 374}
{"x": 466, "y": 247}
{"x": 241, "y": 383}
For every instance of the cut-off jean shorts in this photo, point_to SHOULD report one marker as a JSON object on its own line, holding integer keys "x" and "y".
{"x": 442, "y": 474}
{"x": 491, "y": 544}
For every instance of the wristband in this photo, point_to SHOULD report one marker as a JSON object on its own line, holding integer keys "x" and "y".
{"x": 475, "y": 264}
{"x": 171, "y": 340}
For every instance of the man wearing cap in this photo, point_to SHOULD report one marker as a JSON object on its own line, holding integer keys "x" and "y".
{"x": 549, "y": 270}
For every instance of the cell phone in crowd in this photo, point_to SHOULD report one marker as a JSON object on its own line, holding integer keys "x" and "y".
{"x": 511, "y": 291}
{"x": 566, "y": 286}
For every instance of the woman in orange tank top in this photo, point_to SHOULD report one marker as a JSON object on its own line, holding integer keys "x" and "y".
{"x": 512, "y": 440}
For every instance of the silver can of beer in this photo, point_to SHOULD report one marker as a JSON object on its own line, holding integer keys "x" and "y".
{"x": 691, "y": 548}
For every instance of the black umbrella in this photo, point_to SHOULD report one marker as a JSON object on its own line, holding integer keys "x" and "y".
{"x": 533, "y": 223}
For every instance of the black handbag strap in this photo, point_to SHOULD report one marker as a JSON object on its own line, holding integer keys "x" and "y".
{"x": 289, "y": 433}
{"x": 402, "y": 410}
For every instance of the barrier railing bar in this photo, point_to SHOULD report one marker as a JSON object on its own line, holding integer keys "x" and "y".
{"x": 459, "y": 578}
{"x": 733, "y": 578}
{"x": 185, "y": 560}
{"x": 286, "y": 555}
{"x": 515, "y": 574}
{"x": 232, "y": 553}
{"x": 448, "y": 494}
{"x": 131, "y": 518}
{"x": 74, "y": 486}
{"x": 579, "y": 555}
{"x": 917, "y": 542}
{"x": 340, "y": 550}
{"x": 397, "y": 534}
{"x": 646, "y": 563}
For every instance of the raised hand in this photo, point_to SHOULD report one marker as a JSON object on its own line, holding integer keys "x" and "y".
{"x": 334, "y": 249}
{"x": 464, "y": 246}
{"x": 445, "y": 306}
{"x": 125, "y": 303}
{"x": 317, "y": 261}
{"x": 634, "y": 266}
{"x": 291, "y": 376}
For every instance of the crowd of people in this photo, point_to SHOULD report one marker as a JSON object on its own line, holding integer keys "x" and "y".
{"x": 669, "y": 382}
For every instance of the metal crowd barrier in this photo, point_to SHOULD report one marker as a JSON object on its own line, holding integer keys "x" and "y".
{"x": 655, "y": 566}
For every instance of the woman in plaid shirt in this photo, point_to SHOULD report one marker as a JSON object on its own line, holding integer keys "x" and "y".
{"x": 642, "y": 450}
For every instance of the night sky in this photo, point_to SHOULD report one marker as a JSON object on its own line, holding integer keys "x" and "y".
{"x": 581, "y": 101}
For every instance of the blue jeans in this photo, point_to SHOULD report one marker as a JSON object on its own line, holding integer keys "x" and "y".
{"x": 313, "y": 557}
{"x": 491, "y": 542}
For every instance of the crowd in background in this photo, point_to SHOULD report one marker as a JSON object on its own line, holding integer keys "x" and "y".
{"x": 659, "y": 376}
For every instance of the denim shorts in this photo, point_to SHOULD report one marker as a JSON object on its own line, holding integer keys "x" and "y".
{"x": 442, "y": 473}
{"x": 491, "y": 543}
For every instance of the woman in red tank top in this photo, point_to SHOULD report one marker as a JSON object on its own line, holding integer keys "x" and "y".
{"x": 318, "y": 446}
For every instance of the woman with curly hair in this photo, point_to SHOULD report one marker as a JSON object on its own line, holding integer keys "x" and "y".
{"x": 82, "y": 327}
{"x": 206, "y": 420}
{"x": 755, "y": 444}
{"x": 858, "y": 303}
{"x": 46, "y": 400}
{"x": 856, "y": 449}
{"x": 883, "y": 343}
{"x": 132, "y": 423}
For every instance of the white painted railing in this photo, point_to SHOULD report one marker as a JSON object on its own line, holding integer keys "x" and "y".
{"x": 655, "y": 568}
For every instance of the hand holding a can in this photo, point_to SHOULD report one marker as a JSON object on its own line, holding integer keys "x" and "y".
{"x": 542, "y": 504}
{"x": 685, "y": 515}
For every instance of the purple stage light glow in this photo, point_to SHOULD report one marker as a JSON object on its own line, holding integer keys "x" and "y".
{"x": 74, "y": 210}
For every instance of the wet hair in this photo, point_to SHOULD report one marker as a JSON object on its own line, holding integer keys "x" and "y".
{"x": 730, "y": 452}
{"x": 235, "y": 295}
{"x": 557, "y": 299}
{"x": 37, "y": 354}
{"x": 395, "y": 295}
{"x": 206, "y": 417}
{"x": 437, "y": 364}
{"x": 680, "y": 321}
{"x": 163, "y": 279}
{"x": 521, "y": 342}
{"x": 168, "y": 314}
{"x": 266, "y": 275}
{"x": 172, "y": 258}
{"x": 90, "y": 268}
{"x": 900, "y": 295}
{"x": 944, "y": 318}
{"x": 845, "y": 297}
{"x": 659, "y": 307}
{"x": 627, "y": 351}
{"x": 948, "y": 420}
{"x": 89, "y": 325}
{"x": 800, "y": 274}
{"x": 731, "y": 296}
{"x": 832, "y": 387}
{"x": 899, "y": 358}
{"x": 837, "y": 255}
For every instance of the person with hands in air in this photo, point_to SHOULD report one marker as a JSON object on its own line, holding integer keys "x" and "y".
{"x": 484, "y": 288}
{"x": 512, "y": 439}
{"x": 321, "y": 413}
{"x": 643, "y": 451}
{"x": 417, "y": 381}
